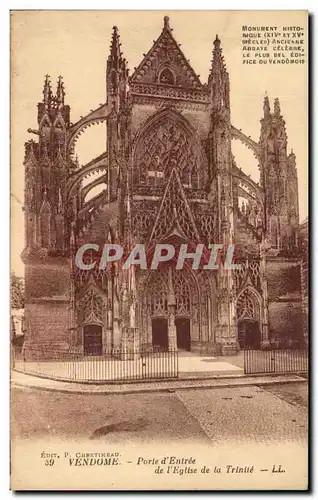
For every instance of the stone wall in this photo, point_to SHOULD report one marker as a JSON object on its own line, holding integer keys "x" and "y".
{"x": 304, "y": 295}
{"x": 284, "y": 298}
{"x": 47, "y": 293}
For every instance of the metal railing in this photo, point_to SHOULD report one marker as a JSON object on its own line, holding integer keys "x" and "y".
{"x": 275, "y": 361}
{"x": 113, "y": 365}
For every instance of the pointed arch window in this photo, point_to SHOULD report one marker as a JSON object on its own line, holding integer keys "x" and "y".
{"x": 274, "y": 233}
{"x": 247, "y": 306}
{"x": 167, "y": 140}
{"x": 166, "y": 77}
{"x": 183, "y": 294}
{"x": 157, "y": 294}
{"x": 113, "y": 81}
{"x": 45, "y": 219}
{"x": 45, "y": 130}
{"x": 92, "y": 307}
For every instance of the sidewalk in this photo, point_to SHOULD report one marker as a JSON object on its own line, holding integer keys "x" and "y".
{"x": 108, "y": 370}
{"x": 27, "y": 381}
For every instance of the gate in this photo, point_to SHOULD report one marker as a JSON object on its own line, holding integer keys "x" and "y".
{"x": 275, "y": 361}
{"x": 114, "y": 365}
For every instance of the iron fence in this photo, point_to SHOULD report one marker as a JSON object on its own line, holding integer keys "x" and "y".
{"x": 114, "y": 365}
{"x": 275, "y": 361}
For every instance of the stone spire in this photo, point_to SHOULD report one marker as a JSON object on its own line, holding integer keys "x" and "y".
{"x": 116, "y": 65}
{"x": 166, "y": 25}
{"x": 217, "y": 54}
{"x": 47, "y": 91}
{"x": 218, "y": 63}
{"x": 266, "y": 106}
{"x": 60, "y": 92}
{"x": 115, "y": 52}
{"x": 277, "y": 108}
{"x": 219, "y": 78}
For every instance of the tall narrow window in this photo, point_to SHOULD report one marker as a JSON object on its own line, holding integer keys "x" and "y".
{"x": 46, "y": 225}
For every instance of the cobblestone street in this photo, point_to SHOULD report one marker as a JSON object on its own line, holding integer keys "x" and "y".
{"x": 245, "y": 414}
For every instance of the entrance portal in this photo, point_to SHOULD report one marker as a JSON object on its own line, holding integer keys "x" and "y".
{"x": 249, "y": 336}
{"x": 183, "y": 333}
{"x": 93, "y": 340}
{"x": 160, "y": 332}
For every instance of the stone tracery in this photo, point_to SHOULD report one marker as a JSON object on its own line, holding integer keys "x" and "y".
{"x": 167, "y": 139}
{"x": 169, "y": 172}
{"x": 246, "y": 307}
{"x": 91, "y": 305}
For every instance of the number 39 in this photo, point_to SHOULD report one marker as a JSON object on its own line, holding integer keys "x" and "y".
{"x": 49, "y": 462}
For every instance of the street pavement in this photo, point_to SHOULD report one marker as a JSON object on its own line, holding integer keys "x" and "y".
{"x": 275, "y": 413}
{"x": 246, "y": 414}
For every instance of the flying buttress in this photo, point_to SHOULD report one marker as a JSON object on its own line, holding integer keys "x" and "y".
{"x": 247, "y": 141}
{"x": 96, "y": 116}
{"x": 98, "y": 164}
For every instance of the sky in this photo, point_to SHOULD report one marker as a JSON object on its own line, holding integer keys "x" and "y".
{"x": 75, "y": 44}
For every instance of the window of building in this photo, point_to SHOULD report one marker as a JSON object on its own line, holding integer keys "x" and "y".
{"x": 166, "y": 77}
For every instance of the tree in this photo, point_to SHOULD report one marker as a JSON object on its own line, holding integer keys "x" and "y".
{"x": 17, "y": 292}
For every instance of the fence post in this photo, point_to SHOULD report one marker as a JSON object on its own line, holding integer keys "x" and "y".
{"x": 116, "y": 365}
{"x": 12, "y": 356}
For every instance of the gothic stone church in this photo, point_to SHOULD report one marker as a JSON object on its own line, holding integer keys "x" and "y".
{"x": 168, "y": 175}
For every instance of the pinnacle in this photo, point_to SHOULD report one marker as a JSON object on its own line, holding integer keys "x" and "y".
{"x": 276, "y": 107}
{"x": 47, "y": 89}
{"x": 60, "y": 93}
{"x": 218, "y": 59}
{"x": 166, "y": 23}
{"x": 115, "y": 44}
{"x": 266, "y": 106}
{"x": 217, "y": 42}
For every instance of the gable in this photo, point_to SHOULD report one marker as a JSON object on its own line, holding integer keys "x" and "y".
{"x": 174, "y": 215}
{"x": 165, "y": 64}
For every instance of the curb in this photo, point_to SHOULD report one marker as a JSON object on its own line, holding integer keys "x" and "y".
{"x": 181, "y": 378}
{"x": 139, "y": 390}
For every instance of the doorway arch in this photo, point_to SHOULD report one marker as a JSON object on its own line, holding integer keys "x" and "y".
{"x": 248, "y": 313}
{"x": 248, "y": 333}
{"x": 159, "y": 327}
{"x": 155, "y": 311}
{"x": 93, "y": 339}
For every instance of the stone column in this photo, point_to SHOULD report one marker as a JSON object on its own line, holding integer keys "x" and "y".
{"x": 265, "y": 344}
{"x": 211, "y": 332}
{"x": 130, "y": 345}
{"x": 75, "y": 340}
{"x": 116, "y": 322}
{"x": 227, "y": 330}
{"x": 147, "y": 322}
{"x": 108, "y": 320}
{"x": 172, "y": 330}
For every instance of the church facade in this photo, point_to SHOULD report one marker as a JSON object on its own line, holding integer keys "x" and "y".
{"x": 168, "y": 175}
